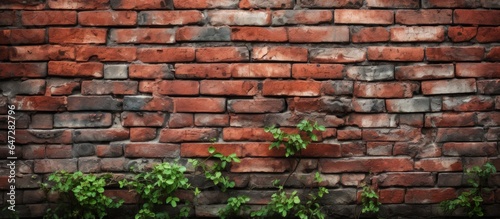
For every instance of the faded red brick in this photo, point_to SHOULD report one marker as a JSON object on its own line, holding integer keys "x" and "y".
{"x": 170, "y": 54}
{"x": 106, "y": 54}
{"x": 259, "y": 34}
{"x": 370, "y": 35}
{"x": 410, "y": 54}
{"x": 74, "y": 69}
{"x": 470, "y": 53}
{"x": 461, "y": 34}
{"x": 153, "y": 150}
{"x": 291, "y": 88}
{"x": 419, "y": 17}
{"x": 107, "y": 18}
{"x": 44, "y": 18}
{"x": 199, "y": 105}
{"x": 476, "y": 17}
{"x": 143, "y": 35}
{"x": 363, "y": 16}
{"x": 188, "y": 135}
{"x": 222, "y": 54}
{"x": 77, "y": 35}
{"x": 478, "y": 70}
{"x": 181, "y": 17}
{"x": 226, "y": 88}
{"x": 315, "y": 34}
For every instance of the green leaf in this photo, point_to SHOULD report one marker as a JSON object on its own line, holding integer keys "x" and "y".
{"x": 211, "y": 150}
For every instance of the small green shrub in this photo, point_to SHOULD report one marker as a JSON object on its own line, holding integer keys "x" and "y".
{"x": 294, "y": 143}
{"x": 236, "y": 207}
{"x": 472, "y": 200}
{"x": 369, "y": 200}
{"x": 81, "y": 195}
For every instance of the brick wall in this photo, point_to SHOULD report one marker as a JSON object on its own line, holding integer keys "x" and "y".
{"x": 409, "y": 91}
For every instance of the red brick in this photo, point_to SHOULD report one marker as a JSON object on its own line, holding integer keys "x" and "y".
{"x": 148, "y": 103}
{"x": 74, "y": 69}
{"x": 106, "y": 54}
{"x": 391, "y": 196}
{"x": 77, "y": 35}
{"x": 393, "y": 4}
{"x": 317, "y": 71}
{"x": 17, "y": 4}
{"x": 145, "y": 71}
{"x": 364, "y": 164}
{"x": 368, "y": 105}
{"x": 453, "y": 86}
{"x": 256, "y": 106}
{"x": 337, "y": 55}
{"x": 107, "y": 18}
{"x": 239, "y": 18}
{"x": 460, "y": 134}
{"x": 111, "y": 150}
{"x": 384, "y": 89}
{"x": 379, "y": 148}
{"x": 284, "y": 17}
{"x": 206, "y": 33}
{"x": 171, "y": 54}
{"x": 399, "y": 134}
{"x": 405, "y": 179}
{"x": 180, "y": 120}
{"x": 175, "y": 88}
{"x": 58, "y": 151}
{"x": 54, "y": 136}
{"x": 39, "y": 103}
{"x": 222, "y": 54}
{"x": 439, "y": 164}
{"x": 424, "y": 72}
{"x": 148, "y": 119}
{"x": 153, "y": 150}
{"x": 488, "y": 34}
{"x": 82, "y": 120}
{"x": 270, "y": 165}
{"x": 82, "y": 103}
{"x": 353, "y": 149}
{"x": 226, "y": 88}
{"x": 113, "y": 164}
{"x": 322, "y": 104}
{"x": 416, "y": 104}
{"x": 141, "y": 4}
{"x": 493, "y": 54}
{"x": 23, "y": 70}
{"x": 4, "y": 53}
{"x": 260, "y": 70}
{"x": 476, "y": 17}
{"x": 142, "y": 134}
{"x": 476, "y": 149}
{"x": 370, "y": 35}
{"x": 279, "y": 53}
{"x": 188, "y": 135}
{"x": 449, "y": 119}
{"x": 7, "y": 18}
{"x": 202, "y": 4}
{"x": 143, "y": 35}
{"x": 348, "y": 16}
{"x": 52, "y": 165}
{"x": 211, "y": 120}
{"x": 317, "y": 34}
{"x": 410, "y": 54}
{"x": 332, "y": 4}
{"x": 349, "y": 134}
{"x": 247, "y": 4}
{"x": 33, "y": 152}
{"x": 428, "y": 196}
{"x": 419, "y": 17}
{"x": 99, "y": 135}
{"x": 42, "y": 53}
{"x": 44, "y": 18}
{"x": 417, "y": 34}
{"x": 109, "y": 87}
{"x": 199, "y": 105}
{"x": 202, "y": 71}
{"x": 454, "y": 53}
{"x": 246, "y": 134}
{"x": 183, "y": 17}
{"x": 462, "y": 34}
{"x": 372, "y": 120}
{"x": 450, "y": 4}
{"x": 478, "y": 70}
{"x": 489, "y": 86}
{"x": 291, "y": 88}
{"x": 78, "y": 4}
{"x": 259, "y": 34}
{"x": 352, "y": 179}
{"x": 488, "y": 119}
{"x": 58, "y": 87}
{"x": 22, "y": 36}
{"x": 468, "y": 103}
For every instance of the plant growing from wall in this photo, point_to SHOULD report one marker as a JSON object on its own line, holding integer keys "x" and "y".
{"x": 472, "y": 199}
{"x": 369, "y": 200}
{"x": 81, "y": 195}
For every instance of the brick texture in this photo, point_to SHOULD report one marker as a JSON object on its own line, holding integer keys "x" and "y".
{"x": 409, "y": 92}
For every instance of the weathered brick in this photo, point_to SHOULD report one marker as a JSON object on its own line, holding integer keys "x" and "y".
{"x": 470, "y": 53}
{"x": 398, "y": 54}
{"x": 44, "y": 18}
{"x": 245, "y": 134}
{"x": 260, "y": 70}
{"x": 151, "y": 71}
{"x": 78, "y": 4}
{"x": 256, "y": 105}
{"x": 222, "y": 33}
{"x": 371, "y": 73}
{"x": 279, "y": 53}
{"x": 406, "y": 179}
{"x": 363, "y": 16}
{"x": 142, "y": 134}
{"x": 493, "y": 54}
{"x": 322, "y": 104}
{"x": 423, "y": 72}
{"x": 353, "y": 149}
{"x": 82, "y": 103}
{"x": 107, "y": 18}
{"x": 318, "y": 34}
{"x": 23, "y": 70}
{"x": 449, "y": 86}
{"x": 419, "y": 17}
{"x": 98, "y": 87}
{"x": 58, "y": 151}
{"x": 488, "y": 118}
{"x": 205, "y": 120}
{"x": 89, "y": 164}
{"x": 42, "y": 53}
{"x": 28, "y": 87}
{"x": 58, "y": 87}
{"x": 75, "y": 69}
{"x": 384, "y": 89}
{"x": 59, "y": 35}
{"x": 147, "y": 103}
{"x": 22, "y": 36}
{"x": 260, "y": 34}
{"x": 493, "y": 134}
{"x": 222, "y": 54}
{"x": 181, "y": 17}
{"x": 141, "y": 4}
{"x": 188, "y": 135}
{"x": 460, "y": 134}
{"x": 170, "y": 54}
{"x": 33, "y": 152}
{"x": 285, "y": 17}
{"x": 450, "y": 119}
{"x": 291, "y": 88}
{"x": 417, "y": 34}
{"x": 450, "y": 4}
{"x": 400, "y": 134}
{"x": 369, "y": 34}
{"x": 364, "y": 164}
{"x": 331, "y": 4}
{"x": 368, "y": 105}
{"x": 427, "y": 196}
{"x": 153, "y": 150}
{"x": 488, "y": 86}
{"x": 82, "y": 120}
{"x": 113, "y": 164}
{"x": 202, "y": 71}
{"x": 147, "y": 119}
{"x": 143, "y": 35}
{"x": 439, "y": 164}
{"x": 115, "y": 71}
{"x": 106, "y": 54}
{"x": 478, "y": 70}
{"x": 379, "y": 148}
{"x": 317, "y": 71}
{"x": 475, "y": 149}
{"x": 391, "y": 196}
{"x": 98, "y": 135}
{"x": 180, "y": 120}
{"x": 178, "y": 88}
{"x": 239, "y": 18}
{"x": 261, "y": 165}
{"x": 111, "y": 150}
{"x": 337, "y": 55}
{"x": 393, "y": 4}
{"x": 461, "y": 34}
{"x": 199, "y": 105}
{"x": 202, "y": 4}
{"x": 476, "y": 17}
{"x": 52, "y": 165}
{"x": 349, "y": 134}
{"x": 39, "y": 103}
{"x": 279, "y": 4}
{"x": 468, "y": 103}
{"x": 372, "y": 120}
{"x": 226, "y": 88}
{"x": 7, "y": 18}
{"x": 416, "y": 104}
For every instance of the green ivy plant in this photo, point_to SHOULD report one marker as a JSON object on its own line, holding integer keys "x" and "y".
{"x": 157, "y": 187}
{"x": 236, "y": 207}
{"x": 81, "y": 195}
{"x": 369, "y": 200}
{"x": 294, "y": 143}
{"x": 472, "y": 200}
